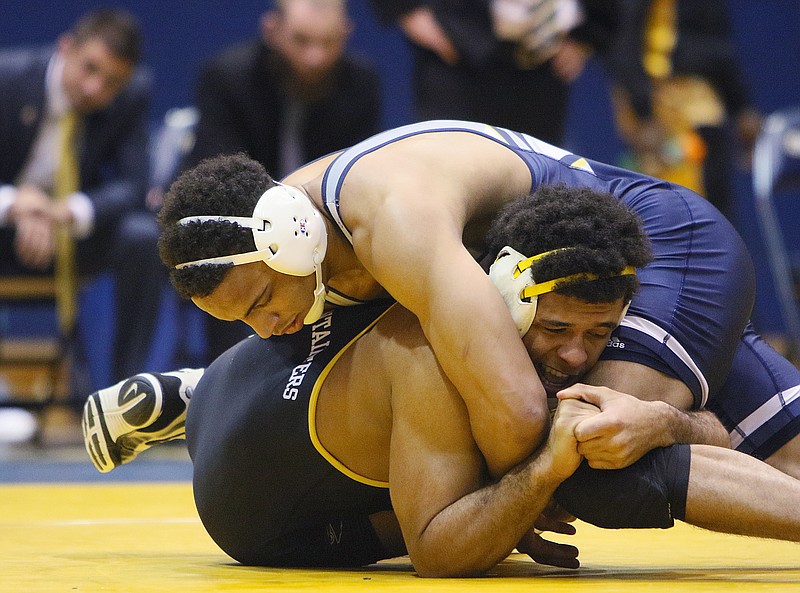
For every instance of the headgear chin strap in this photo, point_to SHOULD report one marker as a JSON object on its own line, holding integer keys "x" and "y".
{"x": 511, "y": 274}
{"x": 289, "y": 234}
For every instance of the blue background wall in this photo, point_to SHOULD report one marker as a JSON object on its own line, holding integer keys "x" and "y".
{"x": 181, "y": 34}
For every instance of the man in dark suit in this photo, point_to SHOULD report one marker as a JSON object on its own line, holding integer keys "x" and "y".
{"x": 509, "y": 64}
{"x": 92, "y": 74}
{"x": 286, "y": 98}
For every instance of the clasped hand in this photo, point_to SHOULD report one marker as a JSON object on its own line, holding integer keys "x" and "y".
{"x": 609, "y": 429}
{"x": 624, "y": 429}
{"x": 36, "y": 218}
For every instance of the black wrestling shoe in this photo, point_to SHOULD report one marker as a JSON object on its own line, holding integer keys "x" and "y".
{"x": 121, "y": 421}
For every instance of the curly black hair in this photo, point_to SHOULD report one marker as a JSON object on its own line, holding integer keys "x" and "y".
{"x": 226, "y": 185}
{"x": 604, "y": 235}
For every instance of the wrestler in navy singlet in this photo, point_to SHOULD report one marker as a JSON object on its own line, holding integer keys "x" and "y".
{"x": 688, "y": 318}
{"x": 265, "y": 489}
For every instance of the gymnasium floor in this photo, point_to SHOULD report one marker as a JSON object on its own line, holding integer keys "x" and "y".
{"x": 65, "y": 527}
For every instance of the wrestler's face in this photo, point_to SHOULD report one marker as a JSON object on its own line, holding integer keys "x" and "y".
{"x": 269, "y": 302}
{"x": 93, "y": 74}
{"x": 567, "y": 337}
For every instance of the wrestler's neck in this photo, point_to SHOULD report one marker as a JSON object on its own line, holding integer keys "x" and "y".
{"x": 343, "y": 272}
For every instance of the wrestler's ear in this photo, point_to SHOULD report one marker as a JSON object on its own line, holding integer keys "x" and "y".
{"x": 65, "y": 43}
{"x": 268, "y": 25}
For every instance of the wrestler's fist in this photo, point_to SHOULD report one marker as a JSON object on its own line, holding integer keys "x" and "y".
{"x": 561, "y": 443}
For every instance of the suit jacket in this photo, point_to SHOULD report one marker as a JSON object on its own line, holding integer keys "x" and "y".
{"x": 113, "y": 146}
{"x": 468, "y": 25}
{"x": 241, "y": 106}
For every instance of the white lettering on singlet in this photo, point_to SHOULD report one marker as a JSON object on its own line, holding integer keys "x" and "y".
{"x": 320, "y": 331}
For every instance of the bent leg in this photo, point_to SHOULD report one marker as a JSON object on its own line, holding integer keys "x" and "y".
{"x": 641, "y": 381}
{"x": 650, "y": 493}
{"x": 139, "y": 281}
{"x": 759, "y": 404}
{"x": 710, "y": 487}
{"x": 695, "y": 296}
{"x": 734, "y": 493}
{"x": 121, "y": 421}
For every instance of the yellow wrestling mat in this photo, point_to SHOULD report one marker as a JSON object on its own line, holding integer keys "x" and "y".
{"x": 142, "y": 538}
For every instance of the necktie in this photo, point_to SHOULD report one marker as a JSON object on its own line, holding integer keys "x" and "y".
{"x": 66, "y": 182}
{"x": 291, "y": 147}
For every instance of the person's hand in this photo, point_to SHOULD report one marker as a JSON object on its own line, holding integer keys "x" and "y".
{"x": 32, "y": 215}
{"x": 34, "y": 242}
{"x": 625, "y": 429}
{"x": 554, "y": 518}
{"x": 546, "y": 552}
{"x": 30, "y": 201}
{"x": 61, "y": 215}
{"x": 422, "y": 28}
{"x": 562, "y": 444}
{"x": 570, "y": 60}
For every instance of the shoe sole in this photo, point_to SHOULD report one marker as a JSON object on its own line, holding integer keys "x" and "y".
{"x": 96, "y": 437}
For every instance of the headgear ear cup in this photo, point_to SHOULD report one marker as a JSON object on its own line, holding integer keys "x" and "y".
{"x": 295, "y": 236}
{"x": 501, "y": 273}
{"x": 299, "y": 234}
{"x": 289, "y": 234}
{"x": 511, "y": 274}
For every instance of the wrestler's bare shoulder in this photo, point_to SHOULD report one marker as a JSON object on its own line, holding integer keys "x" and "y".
{"x": 446, "y": 167}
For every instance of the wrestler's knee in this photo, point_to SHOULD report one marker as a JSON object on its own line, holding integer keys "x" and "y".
{"x": 651, "y": 493}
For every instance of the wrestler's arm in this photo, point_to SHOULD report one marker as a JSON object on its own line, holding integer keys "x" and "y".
{"x": 452, "y": 523}
{"x": 657, "y": 416}
{"x": 412, "y": 244}
{"x": 457, "y": 528}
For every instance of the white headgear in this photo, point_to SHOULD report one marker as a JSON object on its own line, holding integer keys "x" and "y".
{"x": 511, "y": 274}
{"x": 290, "y": 237}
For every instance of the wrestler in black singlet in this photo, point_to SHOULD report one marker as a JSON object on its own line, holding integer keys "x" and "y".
{"x": 265, "y": 493}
